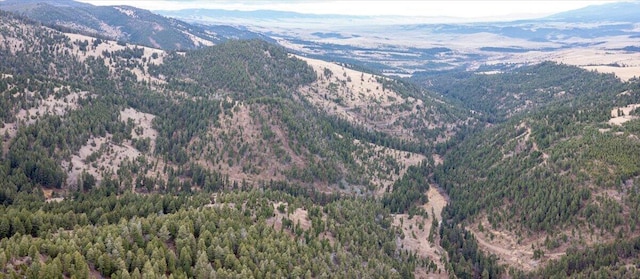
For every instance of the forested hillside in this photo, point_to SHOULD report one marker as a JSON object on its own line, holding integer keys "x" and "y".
{"x": 556, "y": 174}
{"x": 242, "y": 160}
{"x": 124, "y": 24}
{"x": 120, "y": 160}
{"x": 498, "y": 96}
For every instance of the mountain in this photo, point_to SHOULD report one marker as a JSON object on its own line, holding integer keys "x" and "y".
{"x": 124, "y": 23}
{"x": 245, "y": 159}
{"x": 241, "y": 140}
{"x": 616, "y": 12}
{"x": 210, "y": 162}
{"x": 212, "y": 14}
{"x": 61, "y": 3}
{"x": 254, "y": 85}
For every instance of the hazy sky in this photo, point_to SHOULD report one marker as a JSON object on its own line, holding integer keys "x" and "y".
{"x": 463, "y": 9}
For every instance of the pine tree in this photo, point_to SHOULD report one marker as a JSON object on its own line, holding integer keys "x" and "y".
{"x": 81, "y": 266}
{"x": 147, "y": 271}
{"x": 203, "y": 268}
{"x": 136, "y": 274}
{"x": 5, "y": 227}
{"x": 17, "y": 226}
{"x": 3, "y": 260}
{"x": 34, "y": 270}
{"x": 164, "y": 233}
{"x": 185, "y": 259}
{"x": 124, "y": 274}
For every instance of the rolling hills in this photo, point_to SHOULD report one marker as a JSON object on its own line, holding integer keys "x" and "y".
{"x": 85, "y": 119}
{"x": 243, "y": 159}
{"x": 97, "y": 132}
{"x": 125, "y": 24}
{"x": 601, "y": 36}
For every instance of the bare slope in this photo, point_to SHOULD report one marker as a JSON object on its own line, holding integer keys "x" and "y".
{"x": 373, "y": 102}
{"x": 420, "y": 234}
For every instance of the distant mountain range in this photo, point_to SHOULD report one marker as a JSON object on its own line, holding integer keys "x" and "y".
{"x": 387, "y": 44}
{"x": 619, "y": 12}
{"x": 259, "y": 14}
{"x": 124, "y": 23}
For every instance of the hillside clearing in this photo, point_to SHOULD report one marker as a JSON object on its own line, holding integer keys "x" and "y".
{"x": 298, "y": 217}
{"x": 149, "y": 55}
{"x": 623, "y": 114}
{"x": 101, "y": 156}
{"x": 416, "y": 232}
{"x": 364, "y": 100}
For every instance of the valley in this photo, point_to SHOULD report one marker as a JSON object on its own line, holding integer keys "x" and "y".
{"x": 136, "y": 145}
{"x": 403, "y": 46}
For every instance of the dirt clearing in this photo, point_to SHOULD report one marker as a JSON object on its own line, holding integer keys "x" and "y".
{"x": 511, "y": 249}
{"x": 298, "y": 217}
{"x": 101, "y": 156}
{"x": 417, "y": 230}
{"x": 623, "y": 114}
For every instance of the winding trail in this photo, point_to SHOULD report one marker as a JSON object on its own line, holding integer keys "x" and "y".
{"x": 518, "y": 255}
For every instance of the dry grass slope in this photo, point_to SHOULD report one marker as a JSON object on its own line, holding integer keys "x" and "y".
{"x": 416, "y": 232}
{"x": 363, "y": 100}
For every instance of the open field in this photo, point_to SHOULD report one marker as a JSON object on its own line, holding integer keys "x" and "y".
{"x": 624, "y": 64}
